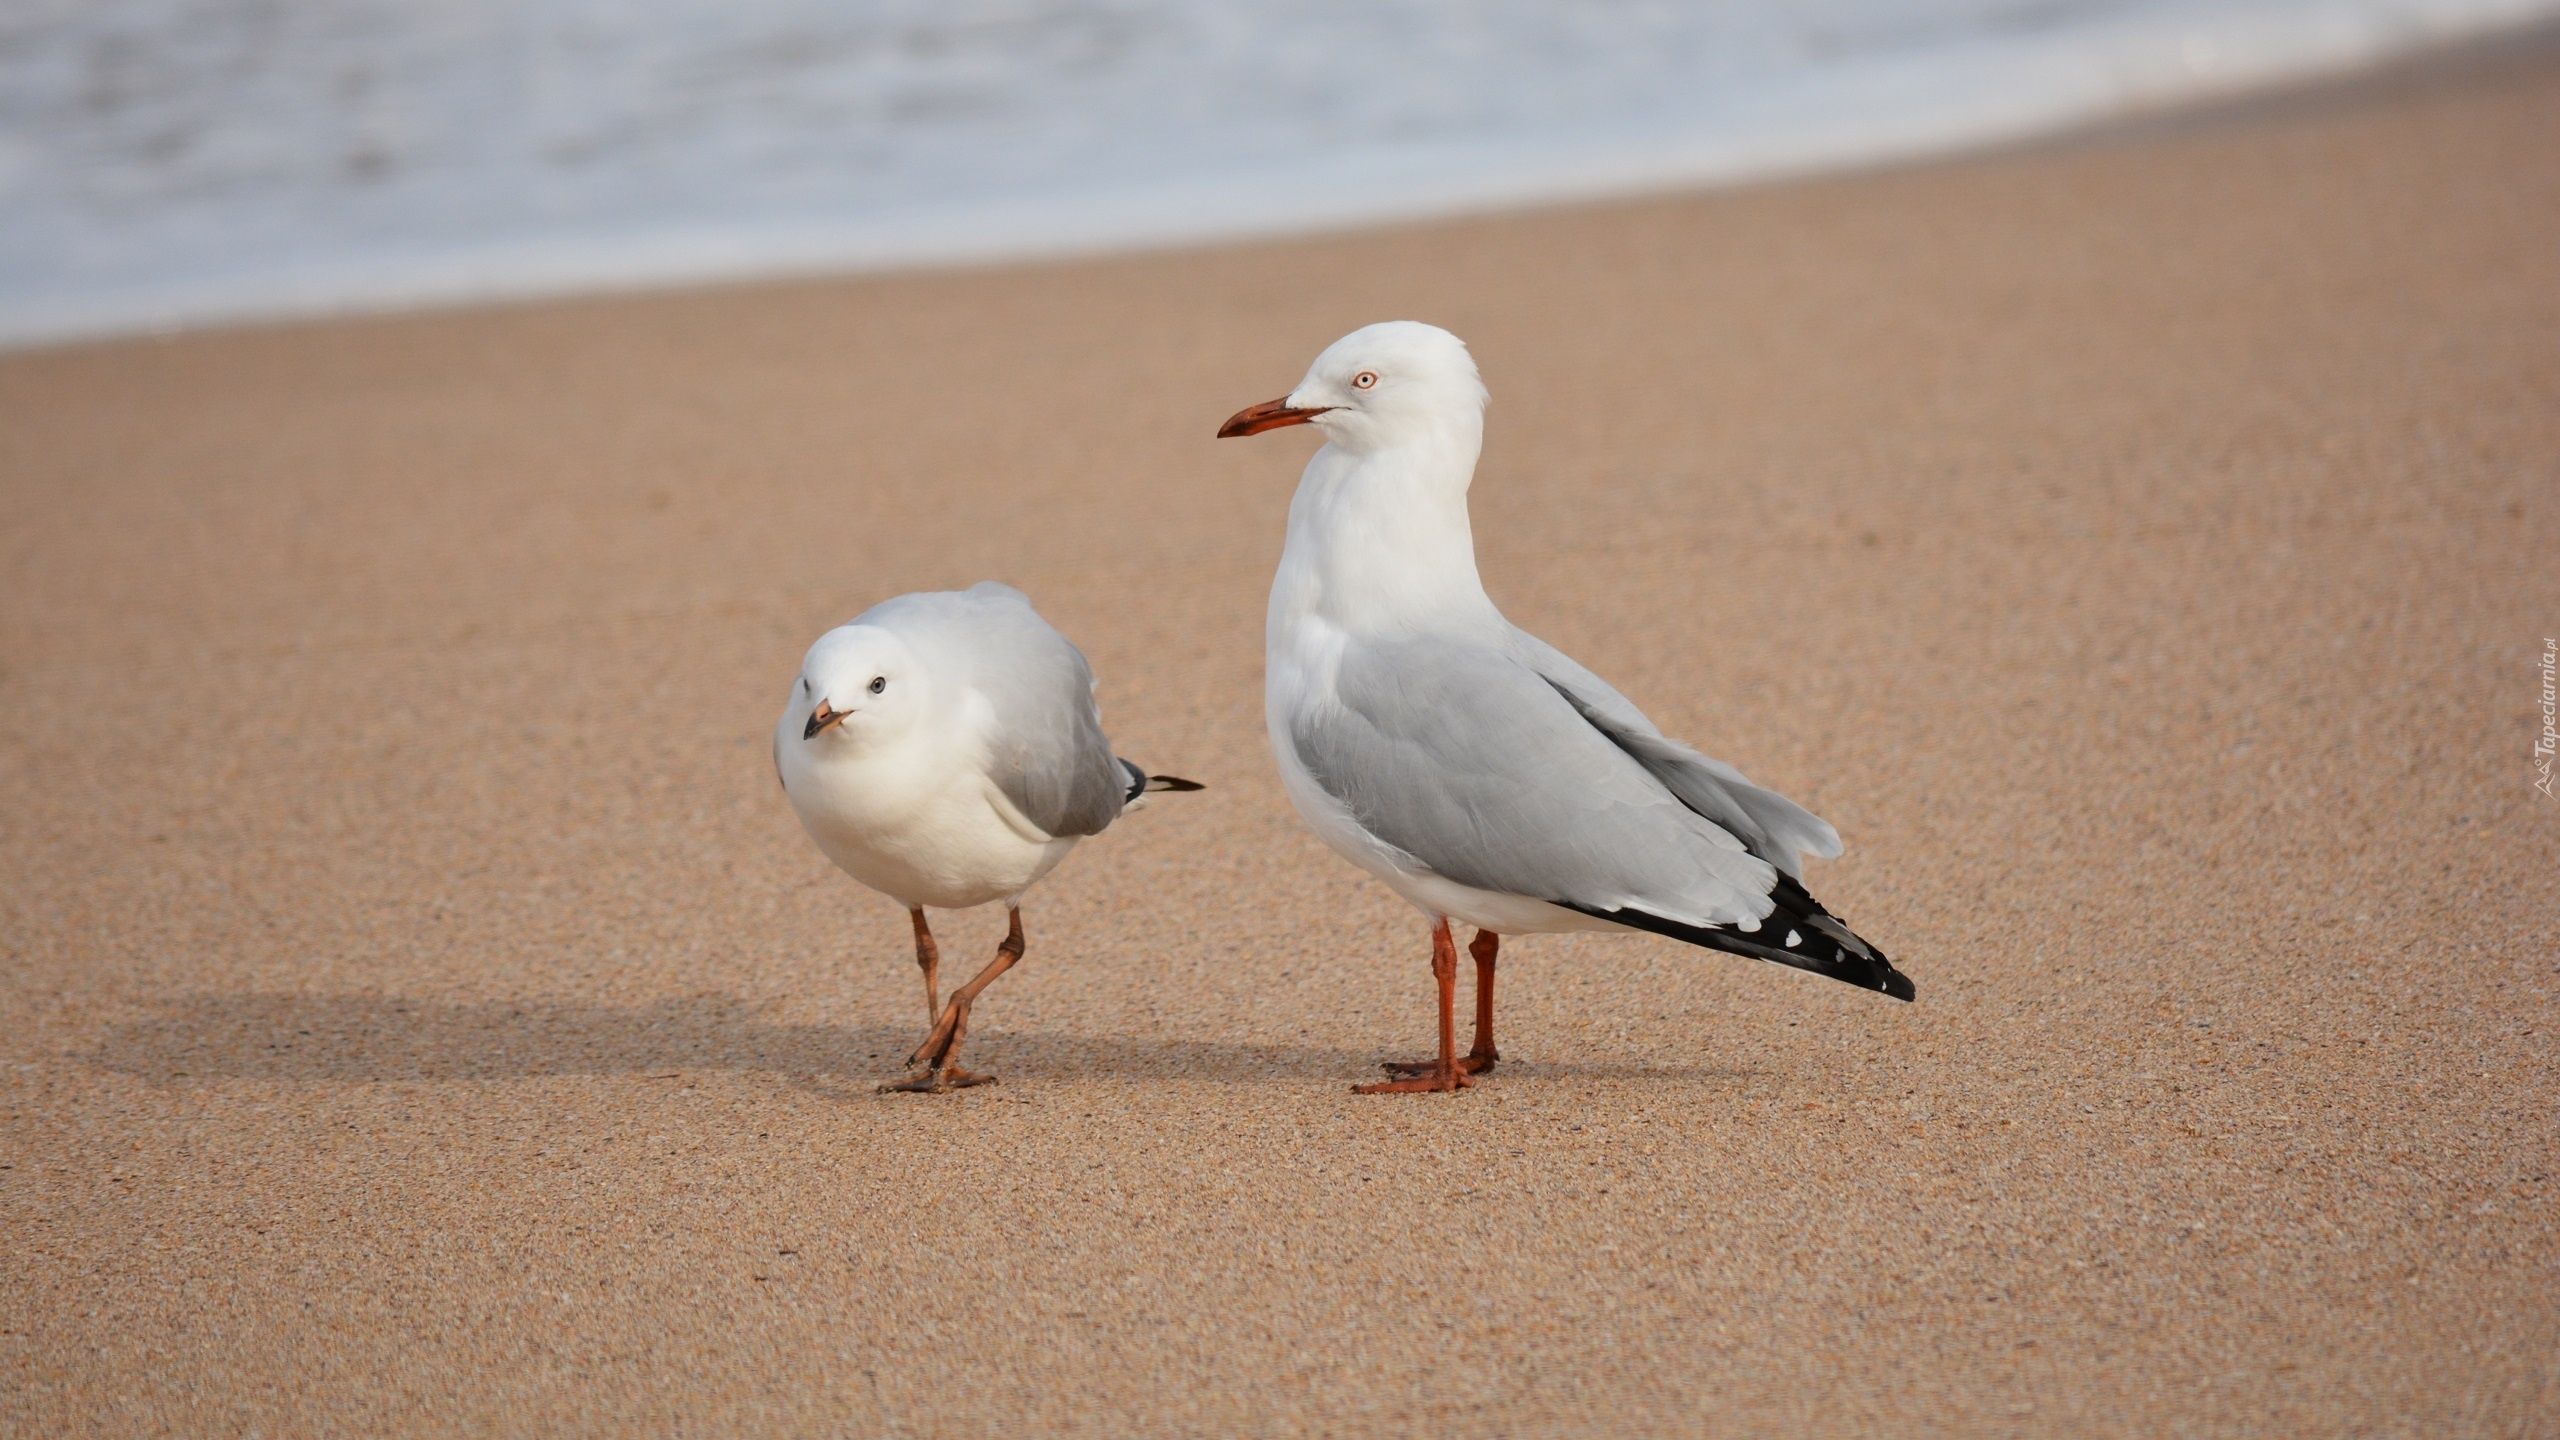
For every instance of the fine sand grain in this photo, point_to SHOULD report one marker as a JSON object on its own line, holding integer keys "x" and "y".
{"x": 423, "y": 1014}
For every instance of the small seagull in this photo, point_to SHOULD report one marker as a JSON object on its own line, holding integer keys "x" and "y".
{"x": 1474, "y": 768}
{"x": 944, "y": 749}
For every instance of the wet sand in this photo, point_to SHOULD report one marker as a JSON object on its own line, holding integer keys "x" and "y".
{"x": 425, "y": 1016}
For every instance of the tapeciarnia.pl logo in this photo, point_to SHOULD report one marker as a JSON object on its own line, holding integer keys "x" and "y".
{"x": 2549, "y": 740}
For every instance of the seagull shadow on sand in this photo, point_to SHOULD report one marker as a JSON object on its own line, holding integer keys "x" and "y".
{"x": 341, "y": 1038}
{"x": 197, "y": 1039}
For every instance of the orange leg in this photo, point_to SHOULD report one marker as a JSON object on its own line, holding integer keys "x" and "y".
{"x": 1481, "y": 1056}
{"x": 929, "y": 960}
{"x": 931, "y": 1063}
{"x": 1447, "y": 1075}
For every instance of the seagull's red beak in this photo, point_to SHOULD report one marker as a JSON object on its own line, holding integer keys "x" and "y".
{"x": 1269, "y": 415}
{"x": 822, "y": 717}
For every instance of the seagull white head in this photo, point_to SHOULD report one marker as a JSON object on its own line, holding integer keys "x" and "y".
{"x": 1395, "y": 383}
{"x": 858, "y": 684}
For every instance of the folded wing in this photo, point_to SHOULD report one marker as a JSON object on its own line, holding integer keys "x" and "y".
{"x": 1478, "y": 767}
{"x": 1769, "y": 824}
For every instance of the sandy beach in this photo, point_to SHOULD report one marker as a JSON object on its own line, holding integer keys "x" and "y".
{"x": 425, "y": 1016}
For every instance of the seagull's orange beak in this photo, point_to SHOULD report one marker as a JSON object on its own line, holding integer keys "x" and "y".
{"x": 1269, "y": 415}
{"x": 821, "y": 718}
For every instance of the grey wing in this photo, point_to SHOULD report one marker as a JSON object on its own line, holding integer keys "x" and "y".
{"x": 1472, "y": 763}
{"x": 1047, "y": 750}
{"x": 1774, "y": 827}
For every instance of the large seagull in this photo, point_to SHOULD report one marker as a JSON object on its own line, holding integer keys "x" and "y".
{"x": 1476, "y": 769}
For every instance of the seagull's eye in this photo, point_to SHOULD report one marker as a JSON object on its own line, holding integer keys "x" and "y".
{"x": 1364, "y": 379}
{"x": 879, "y": 683}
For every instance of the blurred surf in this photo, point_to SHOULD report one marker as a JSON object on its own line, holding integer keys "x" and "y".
{"x": 178, "y": 162}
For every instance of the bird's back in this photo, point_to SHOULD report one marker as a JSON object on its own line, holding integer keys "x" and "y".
{"x": 1045, "y": 746}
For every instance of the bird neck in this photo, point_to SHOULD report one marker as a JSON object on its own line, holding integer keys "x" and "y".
{"x": 1380, "y": 538}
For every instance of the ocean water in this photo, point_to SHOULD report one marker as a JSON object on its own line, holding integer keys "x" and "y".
{"x": 182, "y": 162}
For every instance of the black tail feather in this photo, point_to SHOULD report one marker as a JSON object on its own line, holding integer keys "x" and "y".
{"x": 1798, "y": 933}
{"x": 1139, "y": 782}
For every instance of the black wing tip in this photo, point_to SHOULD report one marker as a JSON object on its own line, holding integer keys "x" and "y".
{"x": 1872, "y": 971}
{"x": 1173, "y": 782}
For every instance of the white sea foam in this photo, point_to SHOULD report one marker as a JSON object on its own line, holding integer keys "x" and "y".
{"x": 180, "y": 162}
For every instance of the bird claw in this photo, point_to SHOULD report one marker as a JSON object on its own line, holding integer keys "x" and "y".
{"x": 1431, "y": 1079}
{"x": 934, "y": 1082}
{"x": 1467, "y": 1064}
